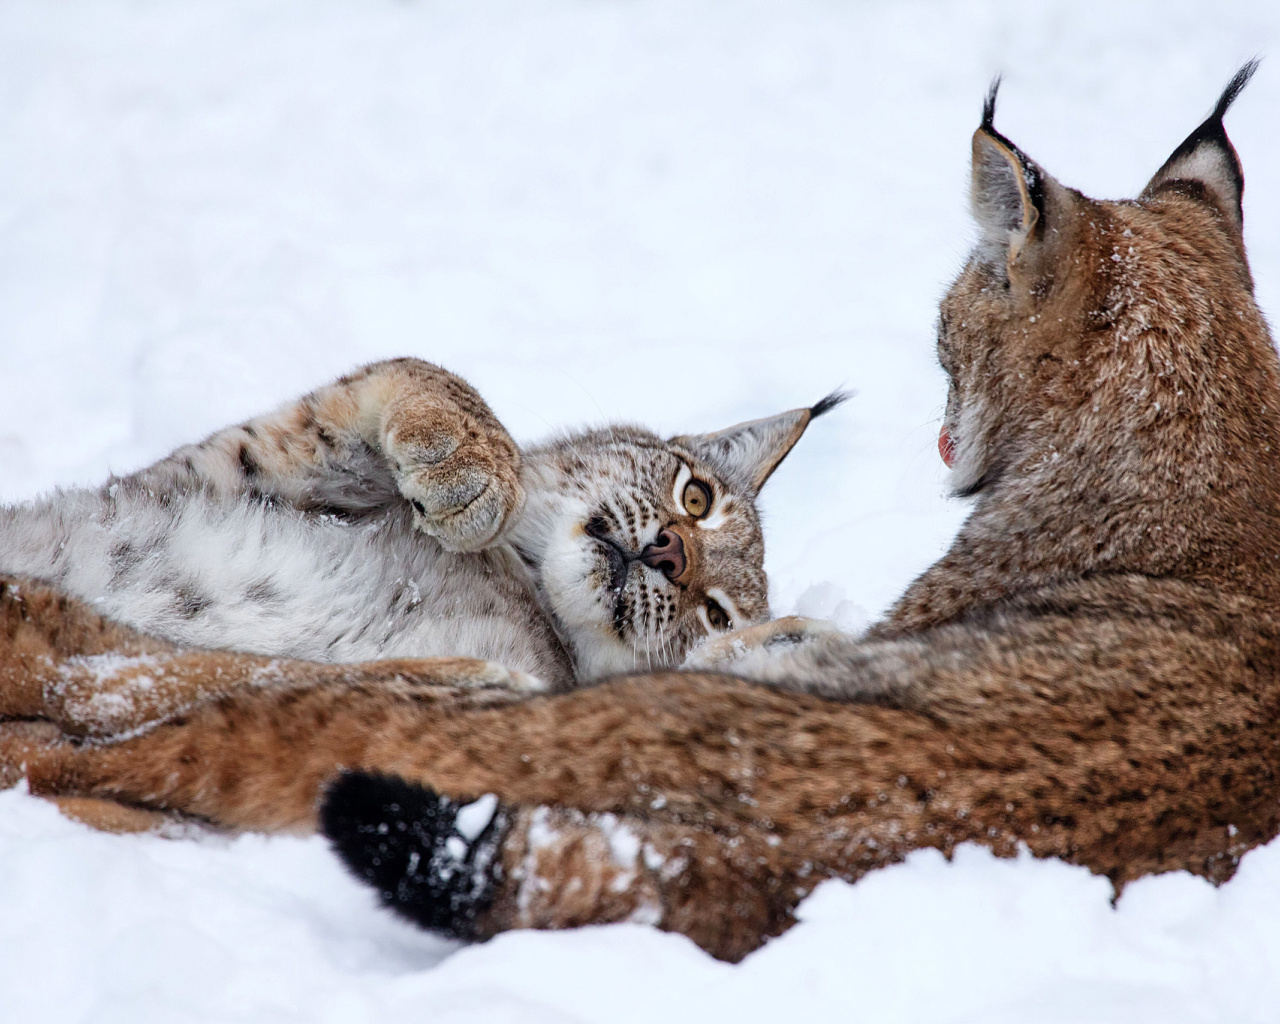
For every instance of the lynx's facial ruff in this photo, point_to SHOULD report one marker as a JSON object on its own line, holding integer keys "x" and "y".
{"x": 644, "y": 547}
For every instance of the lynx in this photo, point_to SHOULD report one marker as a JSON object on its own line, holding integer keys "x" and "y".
{"x": 1091, "y": 672}
{"x": 389, "y": 515}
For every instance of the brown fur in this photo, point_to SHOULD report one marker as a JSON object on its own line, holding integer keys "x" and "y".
{"x": 1155, "y": 764}
{"x": 1092, "y": 671}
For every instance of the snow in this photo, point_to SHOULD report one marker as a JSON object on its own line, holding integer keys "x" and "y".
{"x": 474, "y": 818}
{"x": 680, "y": 213}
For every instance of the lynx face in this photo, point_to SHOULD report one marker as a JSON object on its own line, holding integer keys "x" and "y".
{"x": 644, "y": 547}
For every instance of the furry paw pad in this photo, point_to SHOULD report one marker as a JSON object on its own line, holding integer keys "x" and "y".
{"x": 465, "y": 510}
{"x": 463, "y": 494}
{"x": 433, "y": 860}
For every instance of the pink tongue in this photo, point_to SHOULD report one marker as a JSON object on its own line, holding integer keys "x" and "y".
{"x": 946, "y": 447}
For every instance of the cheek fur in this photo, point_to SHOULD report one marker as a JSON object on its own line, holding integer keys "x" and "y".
{"x": 574, "y": 577}
{"x": 968, "y": 445}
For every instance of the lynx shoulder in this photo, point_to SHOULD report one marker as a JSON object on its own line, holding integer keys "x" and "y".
{"x": 1091, "y": 672}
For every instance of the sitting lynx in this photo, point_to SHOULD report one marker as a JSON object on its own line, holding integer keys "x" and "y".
{"x": 1091, "y": 672}
{"x": 389, "y": 515}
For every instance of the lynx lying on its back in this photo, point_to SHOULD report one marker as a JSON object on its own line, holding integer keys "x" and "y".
{"x": 390, "y": 515}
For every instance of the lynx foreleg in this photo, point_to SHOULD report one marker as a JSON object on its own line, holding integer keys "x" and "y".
{"x": 813, "y": 656}
{"x": 397, "y": 430}
{"x": 41, "y": 630}
{"x": 724, "y": 652}
{"x": 62, "y": 662}
{"x": 253, "y": 761}
{"x": 108, "y": 695}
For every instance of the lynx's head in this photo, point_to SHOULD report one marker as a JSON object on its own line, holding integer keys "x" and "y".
{"x": 1112, "y": 384}
{"x": 642, "y": 547}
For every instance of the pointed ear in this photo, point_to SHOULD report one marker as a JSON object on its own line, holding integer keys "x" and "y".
{"x": 1008, "y": 189}
{"x": 1205, "y": 166}
{"x": 747, "y": 454}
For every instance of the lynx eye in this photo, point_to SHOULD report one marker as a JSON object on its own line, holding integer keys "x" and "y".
{"x": 717, "y": 616}
{"x": 697, "y": 501}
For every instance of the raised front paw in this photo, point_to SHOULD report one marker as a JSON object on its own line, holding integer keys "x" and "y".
{"x": 460, "y": 475}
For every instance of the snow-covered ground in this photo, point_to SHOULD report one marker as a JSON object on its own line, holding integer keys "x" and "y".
{"x": 681, "y": 213}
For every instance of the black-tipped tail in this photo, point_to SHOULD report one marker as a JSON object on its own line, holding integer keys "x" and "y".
{"x": 825, "y": 405}
{"x": 433, "y": 860}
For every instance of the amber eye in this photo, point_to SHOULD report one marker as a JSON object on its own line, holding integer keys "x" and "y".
{"x": 717, "y": 616}
{"x": 696, "y": 498}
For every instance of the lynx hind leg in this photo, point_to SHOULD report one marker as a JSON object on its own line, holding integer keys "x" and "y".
{"x": 108, "y": 695}
{"x": 472, "y": 868}
{"x": 254, "y": 761}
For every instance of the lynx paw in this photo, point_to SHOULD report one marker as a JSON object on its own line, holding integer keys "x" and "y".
{"x": 23, "y": 743}
{"x": 489, "y": 675}
{"x": 463, "y": 486}
{"x": 122, "y": 819}
{"x": 722, "y": 651}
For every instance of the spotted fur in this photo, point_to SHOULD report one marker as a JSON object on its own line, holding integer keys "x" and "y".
{"x": 1091, "y": 672}
{"x": 389, "y": 515}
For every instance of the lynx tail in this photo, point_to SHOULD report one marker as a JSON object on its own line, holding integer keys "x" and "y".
{"x": 433, "y": 860}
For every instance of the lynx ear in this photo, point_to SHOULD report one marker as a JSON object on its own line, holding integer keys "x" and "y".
{"x": 1008, "y": 189}
{"x": 1206, "y": 165}
{"x": 746, "y": 455}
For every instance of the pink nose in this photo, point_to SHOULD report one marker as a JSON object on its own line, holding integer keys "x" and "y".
{"x": 667, "y": 555}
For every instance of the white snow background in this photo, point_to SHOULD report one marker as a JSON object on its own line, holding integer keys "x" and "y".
{"x": 683, "y": 214}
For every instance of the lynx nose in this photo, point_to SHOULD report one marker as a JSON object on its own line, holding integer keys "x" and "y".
{"x": 666, "y": 554}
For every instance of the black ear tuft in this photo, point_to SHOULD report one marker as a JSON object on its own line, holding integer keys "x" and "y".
{"x": 1206, "y": 161}
{"x": 989, "y": 105}
{"x": 1236, "y": 86}
{"x": 433, "y": 860}
{"x": 825, "y": 405}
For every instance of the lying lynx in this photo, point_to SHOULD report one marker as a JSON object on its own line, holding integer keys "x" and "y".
{"x": 1092, "y": 671}
{"x": 389, "y": 515}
